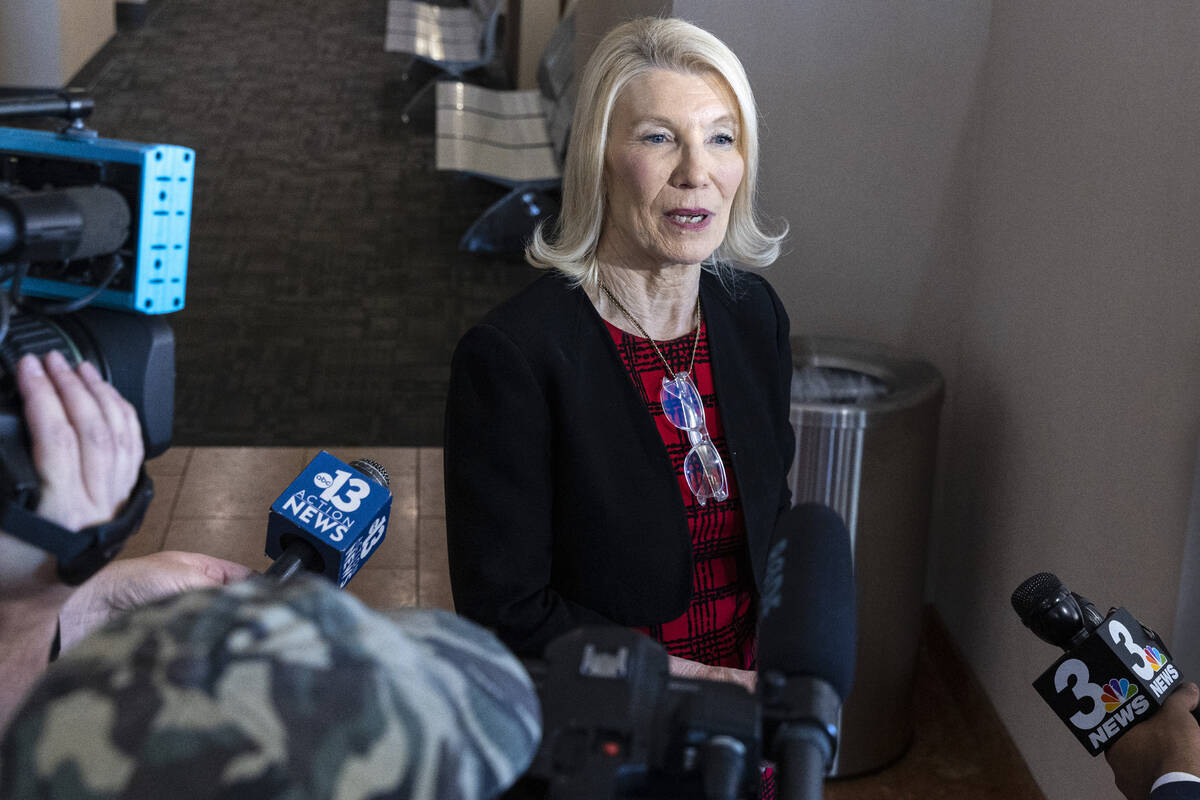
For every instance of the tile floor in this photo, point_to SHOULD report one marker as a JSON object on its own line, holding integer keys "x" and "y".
{"x": 214, "y": 500}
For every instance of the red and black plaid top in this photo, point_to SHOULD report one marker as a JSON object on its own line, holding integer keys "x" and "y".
{"x": 718, "y": 628}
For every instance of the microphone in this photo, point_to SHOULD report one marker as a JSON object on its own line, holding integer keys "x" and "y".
{"x": 806, "y": 640}
{"x": 1114, "y": 673}
{"x": 330, "y": 519}
{"x": 1055, "y": 615}
{"x": 76, "y": 222}
{"x": 267, "y": 689}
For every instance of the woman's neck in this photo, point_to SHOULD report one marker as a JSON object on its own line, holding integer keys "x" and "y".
{"x": 662, "y": 300}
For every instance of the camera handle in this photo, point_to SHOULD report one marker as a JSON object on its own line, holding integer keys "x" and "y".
{"x": 69, "y": 104}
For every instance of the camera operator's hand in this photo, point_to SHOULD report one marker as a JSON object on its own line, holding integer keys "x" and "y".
{"x": 129, "y": 583}
{"x": 87, "y": 450}
{"x": 1167, "y": 742}
{"x": 87, "y": 443}
{"x": 682, "y": 668}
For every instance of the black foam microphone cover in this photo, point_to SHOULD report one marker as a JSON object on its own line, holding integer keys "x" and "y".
{"x": 1053, "y": 612}
{"x": 807, "y": 617}
{"x": 106, "y": 220}
{"x": 75, "y": 222}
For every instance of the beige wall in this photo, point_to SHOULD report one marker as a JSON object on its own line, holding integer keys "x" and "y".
{"x": 1009, "y": 190}
{"x": 28, "y": 46}
{"x": 1074, "y": 435}
{"x": 594, "y": 18}
{"x": 533, "y": 28}
{"x": 86, "y": 25}
{"x": 45, "y": 42}
{"x": 1185, "y": 638}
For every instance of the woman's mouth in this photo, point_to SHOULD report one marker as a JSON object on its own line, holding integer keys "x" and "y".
{"x": 691, "y": 218}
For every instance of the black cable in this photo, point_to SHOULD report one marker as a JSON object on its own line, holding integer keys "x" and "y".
{"x": 116, "y": 264}
{"x": 5, "y": 319}
{"x": 14, "y": 289}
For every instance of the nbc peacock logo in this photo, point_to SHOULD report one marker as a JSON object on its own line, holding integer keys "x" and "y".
{"x": 1154, "y": 658}
{"x": 1116, "y": 692}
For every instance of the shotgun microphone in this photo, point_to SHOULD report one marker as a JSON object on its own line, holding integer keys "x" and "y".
{"x": 806, "y": 645}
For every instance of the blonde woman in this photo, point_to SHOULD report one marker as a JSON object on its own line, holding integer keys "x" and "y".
{"x": 617, "y": 434}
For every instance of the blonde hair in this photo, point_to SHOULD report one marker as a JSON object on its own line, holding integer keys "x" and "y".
{"x": 627, "y": 52}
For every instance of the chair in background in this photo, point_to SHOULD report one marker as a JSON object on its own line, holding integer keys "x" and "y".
{"x": 500, "y": 136}
{"x": 515, "y": 138}
{"x": 455, "y": 40}
{"x": 505, "y": 227}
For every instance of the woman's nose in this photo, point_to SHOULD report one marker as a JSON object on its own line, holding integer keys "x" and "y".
{"x": 692, "y": 169}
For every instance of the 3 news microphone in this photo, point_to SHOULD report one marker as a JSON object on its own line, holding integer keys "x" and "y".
{"x": 1114, "y": 673}
{"x": 806, "y": 642}
{"x": 330, "y": 519}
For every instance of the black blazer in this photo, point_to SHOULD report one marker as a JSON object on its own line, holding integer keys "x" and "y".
{"x": 1179, "y": 790}
{"x": 561, "y": 505}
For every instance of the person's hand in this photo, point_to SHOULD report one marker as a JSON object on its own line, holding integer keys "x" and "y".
{"x": 87, "y": 443}
{"x": 1167, "y": 742}
{"x": 129, "y": 583}
{"x": 682, "y": 668}
{"x": 86, "y": 448}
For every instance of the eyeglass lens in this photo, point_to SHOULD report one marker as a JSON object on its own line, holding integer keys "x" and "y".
{"x": 705, "y": 473}
{"x": 681, "y": 402}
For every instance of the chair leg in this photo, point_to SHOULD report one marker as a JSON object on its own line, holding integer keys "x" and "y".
{"x": 412, "y": 101}
{"x": 407, "y": 68}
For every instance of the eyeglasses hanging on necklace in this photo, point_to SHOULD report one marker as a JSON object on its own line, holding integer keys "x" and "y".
{"x": 703, "y": 468}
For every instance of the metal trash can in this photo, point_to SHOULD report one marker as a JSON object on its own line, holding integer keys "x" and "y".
{"x": 866, "y": 422}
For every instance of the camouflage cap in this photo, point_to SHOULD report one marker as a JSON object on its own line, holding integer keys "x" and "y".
{"x": 264, "y": 691}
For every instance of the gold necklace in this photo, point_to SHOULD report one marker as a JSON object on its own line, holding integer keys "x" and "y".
{"x": 653, "y": 343}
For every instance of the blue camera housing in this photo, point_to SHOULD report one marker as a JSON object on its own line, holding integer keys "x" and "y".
{"x": 160, "y": 202}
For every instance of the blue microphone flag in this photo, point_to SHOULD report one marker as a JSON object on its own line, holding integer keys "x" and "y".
{"x": 337, "y": 509}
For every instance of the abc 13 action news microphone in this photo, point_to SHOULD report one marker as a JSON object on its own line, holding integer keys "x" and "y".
{"x": 1114, "y": 671}
{"x": 330, "y": 520}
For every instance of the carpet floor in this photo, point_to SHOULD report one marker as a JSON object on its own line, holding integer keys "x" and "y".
{"x": 325, "y": 288}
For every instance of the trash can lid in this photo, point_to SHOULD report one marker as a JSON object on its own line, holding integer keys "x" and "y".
{"x": 852, "y": 380}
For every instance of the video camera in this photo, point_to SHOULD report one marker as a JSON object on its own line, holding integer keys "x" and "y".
{"x": 617, "y": 724}
{"x": 93, "y": 250}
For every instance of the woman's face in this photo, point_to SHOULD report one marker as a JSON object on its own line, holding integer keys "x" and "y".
{"x": 671, "y": 169}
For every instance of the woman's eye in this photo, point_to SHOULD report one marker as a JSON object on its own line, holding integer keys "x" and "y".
{"x": 655, "y": 138}
{"x": 723, "y": 139}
